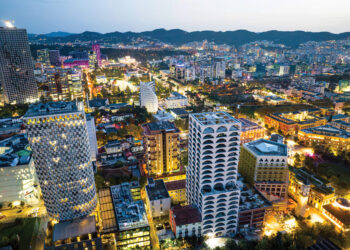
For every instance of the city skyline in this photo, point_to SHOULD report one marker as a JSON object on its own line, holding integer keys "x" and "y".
{"x": 257, "y": 16}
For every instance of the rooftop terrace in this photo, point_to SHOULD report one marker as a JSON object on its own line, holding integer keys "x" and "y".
{"x": 263, "y": 147}
{"x": 51, "y": 108}
{"x": 130, "y": 214}
{"x": 156, "y": 190}
{"x": 214, "y": 118}
{"x": 15, "y": 151}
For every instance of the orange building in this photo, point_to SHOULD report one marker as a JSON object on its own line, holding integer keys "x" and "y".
{"x": 291, "y": 122}
{"x": 250, "y": 131}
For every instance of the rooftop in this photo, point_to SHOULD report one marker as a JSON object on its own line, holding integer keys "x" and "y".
{"x": 336, "y": 210}
{"x": 71, "y": 229}
{"x": 51, "y": 108}
{"x": 179, "y": 111}
{"x": 175, "y": 185}
{"x": 263, "y": 147}
{"x": 130, "y": 214}
{"x": 15, "y": 151}
{"x": 319, "y": 184}
{"x": 176, "y": 96}
{"x": 186, "y": 215}
{"x": 156, "y": 190}
{"x": 157, "y": 127}
{"x": 251, "y": 198}
{"x": 214, "y": 118}
{"x": 248, "y": 125}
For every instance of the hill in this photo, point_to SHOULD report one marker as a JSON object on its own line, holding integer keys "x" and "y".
{"x": 178, "y": 37}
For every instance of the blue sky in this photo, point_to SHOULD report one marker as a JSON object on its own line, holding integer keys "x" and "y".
{"x": 43, "y": 16}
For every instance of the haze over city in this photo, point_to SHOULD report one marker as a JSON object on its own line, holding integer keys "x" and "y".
{"x": 43, "y": 16}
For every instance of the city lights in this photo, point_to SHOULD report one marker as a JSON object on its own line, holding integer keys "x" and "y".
{"x": 9, "y": 24}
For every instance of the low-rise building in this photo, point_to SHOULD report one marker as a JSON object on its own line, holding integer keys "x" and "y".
{"x": 113, "y": 147}
{"x": 333, "y": 137}
{"x": 289, "y": 123}
{"x": 177, "y": 191}
{"x": 338, "y": 213}
{"x": 179, "y": 113}
{"x": 319, "y": 193}
{"x": 133, "y": 227}
{"x": 253, "y": 207}
{"x": 158, "y": 199}
{"x": 18, "y": 180}
{"x": 250, "y": 131}
{"x": 10, "y": 126}
{"x": 176, "y": 100}
{"x": 75, "y": 234}
{"x": 185, "y": 221}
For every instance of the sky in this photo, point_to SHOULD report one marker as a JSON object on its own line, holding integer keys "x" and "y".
{"x": 44, "y": 16}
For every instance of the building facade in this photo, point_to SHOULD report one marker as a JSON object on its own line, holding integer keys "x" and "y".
{"x": 148, "y": 97}
{"x": 18, "y": 180}
{"x": 157, "y": 198}
{"x": 16, "y": 67}
{"x": 185, "y": 221}
{"x": 58, "y": 137}
{"x": 333, "y": 137}
{"x": 263, "y": 164}
{"x": 43, "y": 57}
{"x": 214, "y": 140}
{"x": 91, "y": 128}
{"x": 162, "y": 147}
{"x": 250, "y": 131}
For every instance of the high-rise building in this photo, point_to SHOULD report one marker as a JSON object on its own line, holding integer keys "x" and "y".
{"x": 92, "y": 60}
{"x": 97, "y": 50}
{"x": 57, "y": 83}
{"x": 162, "y": 147}
{"x": 90, "y": 122}
{"x": 58, "y": 137}
{"x": 16, "y": 67}
{"x": 263, "y": 163}
{"x": 55, "y": 57}
{"x": 211, "y": 182}
{"x": 220, "y": 70}
{"x": 148, "y": 97}
{"x": 43, "y": 57}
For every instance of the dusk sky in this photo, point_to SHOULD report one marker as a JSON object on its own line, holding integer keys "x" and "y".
{"x": 43, "y": 16}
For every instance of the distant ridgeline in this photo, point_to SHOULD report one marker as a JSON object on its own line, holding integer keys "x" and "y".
{"x": 178, "y": 37}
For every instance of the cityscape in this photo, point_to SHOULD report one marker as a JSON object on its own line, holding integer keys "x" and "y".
{"x": 174, "y": 139}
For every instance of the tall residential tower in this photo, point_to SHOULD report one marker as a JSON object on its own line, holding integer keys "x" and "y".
{"x": 58, "y": 137}
{"x": 213, "y": 153}
{"x": 16, "y": 66}
{"x": 162, "y": 147}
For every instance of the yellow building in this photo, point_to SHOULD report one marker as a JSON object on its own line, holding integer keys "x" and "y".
{"x": 161, "y": 143}
{"x": 263, "y": 164}
{"x": 335, "y": 138}
{"x": 320, "y": 192}
{"x": 177, "y": 191}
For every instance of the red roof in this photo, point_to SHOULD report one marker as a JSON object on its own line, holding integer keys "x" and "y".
{"x": 175, "y": 185}
{"x": 186, "y": 215}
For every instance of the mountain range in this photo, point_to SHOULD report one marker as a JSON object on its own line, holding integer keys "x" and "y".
{"x": 178, "y": 36}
